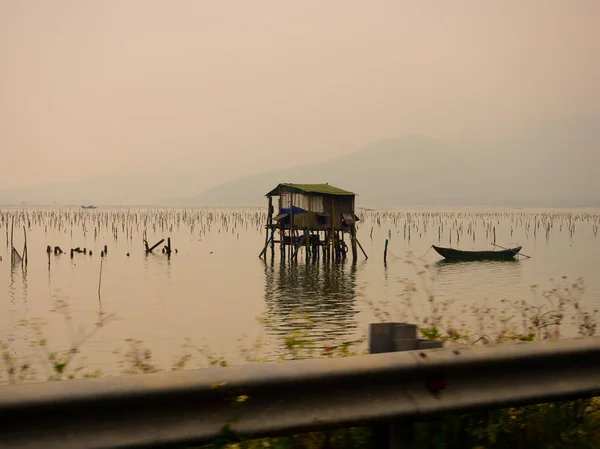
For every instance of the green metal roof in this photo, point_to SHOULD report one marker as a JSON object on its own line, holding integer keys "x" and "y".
{"x": 309, "y": 189}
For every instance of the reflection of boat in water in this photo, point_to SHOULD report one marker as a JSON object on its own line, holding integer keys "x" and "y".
{"x": 456, "y": 254}
{"x": 472, "y": 280}
{"x": 88, "y": 207}
{"x": 480, "y": 263}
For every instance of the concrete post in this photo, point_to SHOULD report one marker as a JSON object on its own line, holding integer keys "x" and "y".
{"x": 394, "y": 337}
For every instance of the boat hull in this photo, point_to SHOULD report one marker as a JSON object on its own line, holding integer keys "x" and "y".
{"x": 456, "y": 254}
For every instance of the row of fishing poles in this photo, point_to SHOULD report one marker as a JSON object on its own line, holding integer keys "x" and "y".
{"x": 129, "y": 223}
{"x": 126, "y": 222}
{"x": 460, "y": 223}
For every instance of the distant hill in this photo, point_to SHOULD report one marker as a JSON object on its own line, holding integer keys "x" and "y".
{"x": 418, "y": 170}
{"x": 414, "y": 170}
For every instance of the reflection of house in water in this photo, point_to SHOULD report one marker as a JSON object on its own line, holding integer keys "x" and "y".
{"x": 311, "y": 217}
{"x": 324, "y": 295}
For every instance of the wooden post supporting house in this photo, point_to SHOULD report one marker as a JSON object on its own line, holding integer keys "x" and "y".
{"x": 311, "y": 218}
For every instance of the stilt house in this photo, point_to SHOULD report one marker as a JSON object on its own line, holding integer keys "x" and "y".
{"x": 311, "y": 216}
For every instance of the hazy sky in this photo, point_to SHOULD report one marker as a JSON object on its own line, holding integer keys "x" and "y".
{"x": 217, "y": 89}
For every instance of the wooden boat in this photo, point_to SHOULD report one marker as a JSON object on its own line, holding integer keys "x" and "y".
{"x": 88, "y": 207}
{"x": 456, "y": 254}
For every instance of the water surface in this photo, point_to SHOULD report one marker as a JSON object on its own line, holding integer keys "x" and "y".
{"x": 216, "y": 293}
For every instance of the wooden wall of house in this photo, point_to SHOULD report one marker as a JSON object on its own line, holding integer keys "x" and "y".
{"x": 322, "y": 220}
{"x": 338, "y": 205}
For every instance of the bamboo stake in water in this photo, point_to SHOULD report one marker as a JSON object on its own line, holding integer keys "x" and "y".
{"x": 25, "y": 246}
{"x": 385, "y": 252}
{"x": 100, "y": 279}
{"x": 12, "y": 247}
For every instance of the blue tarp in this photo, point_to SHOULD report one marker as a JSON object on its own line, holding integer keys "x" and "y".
{"x": 297, "y": 210}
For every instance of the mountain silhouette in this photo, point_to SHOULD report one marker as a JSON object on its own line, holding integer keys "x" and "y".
{"x": 413, "y": 170}
{"x": 418, "y": 170}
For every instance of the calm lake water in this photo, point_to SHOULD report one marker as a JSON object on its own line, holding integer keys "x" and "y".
{"x": 216, "y": 293}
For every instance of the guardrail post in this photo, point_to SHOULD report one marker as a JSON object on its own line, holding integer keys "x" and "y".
{"x": 394, "y": 337}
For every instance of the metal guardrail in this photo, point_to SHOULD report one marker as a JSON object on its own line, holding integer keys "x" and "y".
{"x": 188, "y": 407}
